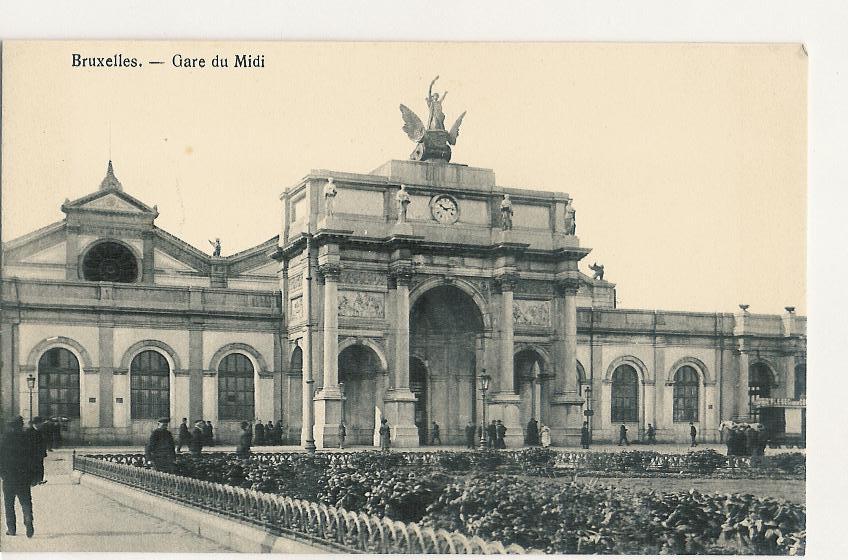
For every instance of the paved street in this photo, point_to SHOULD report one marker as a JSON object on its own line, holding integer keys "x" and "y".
{"x": 73, "y": 518}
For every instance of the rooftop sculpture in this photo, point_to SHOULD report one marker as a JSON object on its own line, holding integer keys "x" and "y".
{"x": 433, "y": 141}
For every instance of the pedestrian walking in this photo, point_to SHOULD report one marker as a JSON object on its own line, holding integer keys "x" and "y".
{"x": 245, "y": 441}
{"x": 491, "y": 434}
{"x": 259, "y": 437}
{"x": 500, "y": 433}
{"x": 160, "y": 449}
{"x": 278, "y": 432}
{"x": 693, "y": 433}
{"x": 36, "y": 434}
{"x": 652, "y": 434}
{"x": 183, "y": 435}
{"x": 342, "y": 434}
{"x": 208, "y": 433}
{"x": 622, "y": 435}
{"x": 16, "y": 453}
{"x": 584, "y": 435}
{"x": 198, "y": 438}
{"x": 385, "y": 435}
{"x": 435, "y": 434}
{"x": 269, "y": 433}
{"x": 545, "y": 436}
{"x": 470, "y": 431}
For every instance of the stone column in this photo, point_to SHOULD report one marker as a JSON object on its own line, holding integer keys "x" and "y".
{"x": 742, "y": 408}
{"x": 505, "y": 402}
{"x": 328, "y": 400}
{"x": 399, "y": 401}
{"x": 567, "y": 404}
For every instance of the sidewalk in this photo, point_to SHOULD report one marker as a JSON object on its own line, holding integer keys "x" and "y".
{"x": 73, "y": 518}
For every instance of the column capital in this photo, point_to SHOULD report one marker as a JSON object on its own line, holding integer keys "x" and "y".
{"x": 401, "y": 273}
{"x": 330, "y": 271}
{"x": 567, "y": 286}
{"x": 507, "y": 281}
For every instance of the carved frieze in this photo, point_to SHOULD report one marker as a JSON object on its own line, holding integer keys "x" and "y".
{"x": 535, "y": 287}
{"x": 296, "y": 282}
{"x": 534, "y": 313}
{"x": 363, "y": 277}
{"x": 366, "y": 305}
{"x": 297, "y": 309}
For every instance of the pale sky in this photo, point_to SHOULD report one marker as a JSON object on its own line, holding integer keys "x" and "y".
{"x": 686, "y": 163}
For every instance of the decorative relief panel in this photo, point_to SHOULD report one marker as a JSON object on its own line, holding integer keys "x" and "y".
{"x": 368, "y": 305}
{"x": 297, "y": 309}
{"x": 531, "y": 313}
{"x": 535, "y": 287}
{"x": 296, "y": 282}
{"x": 363, "y": 277}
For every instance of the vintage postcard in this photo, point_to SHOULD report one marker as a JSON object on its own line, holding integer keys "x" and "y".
{"x": 404, "y": 297}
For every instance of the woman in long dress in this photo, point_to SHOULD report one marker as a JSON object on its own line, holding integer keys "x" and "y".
{"x": 385, "y": 435}
{"x": 545, "y": 436}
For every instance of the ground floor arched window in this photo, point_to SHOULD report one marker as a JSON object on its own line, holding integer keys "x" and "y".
{"x": 686, "y": 388}
{"x": 58, "y": 384}
{"x": 625, "y": 394}
{"x": 236, "y": 388}
{"x": 150, "y": 386}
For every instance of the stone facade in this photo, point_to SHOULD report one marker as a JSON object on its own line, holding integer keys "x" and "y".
{"x": 354, "y": 315}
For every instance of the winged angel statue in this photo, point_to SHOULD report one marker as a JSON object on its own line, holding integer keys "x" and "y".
{"x": 433, "y": 139}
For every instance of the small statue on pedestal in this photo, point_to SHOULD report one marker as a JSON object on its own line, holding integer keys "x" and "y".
{"x": 506, "y": 213}
{"x": 329, "y": 197}
{"x": 216, "y": 247}
{"x": 598, "y": 270}
{"x": 570, "y": 219}
{"x": 403, "y": 201}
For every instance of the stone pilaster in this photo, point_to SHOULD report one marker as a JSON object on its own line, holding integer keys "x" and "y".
{"x": 399, "y": 401}
{"x": 566, "y": 403}
{"x": 504, "y": 404}
{"x": 742, "y": 408}
{"x": 147, "y": 261}
{"x": 328, "y": 400}
{"x": 196, "y": 409}
{"x": 107, "y": 366}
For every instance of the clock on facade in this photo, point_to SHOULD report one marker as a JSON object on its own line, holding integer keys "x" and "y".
{"x": 445, "y": 209}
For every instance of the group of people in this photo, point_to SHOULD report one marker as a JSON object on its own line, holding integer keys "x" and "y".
{"x": 268, "y": 434}
{"x": 22, "y": 454}
{"x": 202, "y": 434}
{"x": 536, "y": 435}
{"x": 494, "y": 437}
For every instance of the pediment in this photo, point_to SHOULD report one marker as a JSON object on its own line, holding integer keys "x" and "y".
{"x": 55, "y": 254}
{"x": 111, "y": 202}
{"x": 164, "y": 261}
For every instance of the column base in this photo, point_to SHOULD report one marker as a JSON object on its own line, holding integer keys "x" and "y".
{"x": 399, "y": 410}
{"x": 566, "y": 418}
{"x": 505, "y": 407}
{"x": 328, "y": 414}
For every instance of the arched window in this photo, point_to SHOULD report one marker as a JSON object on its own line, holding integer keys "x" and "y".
{"x": 625, "y": 394}
{"x": 801, "y": 381}
{"x": 58, "y": 384}
{"x": 686, "y": 386}
{"x": 150, "y": 386}
{"x": 760, "y": 381}
{"x": 110, "y": 262}
{"x": 235, "y": 388}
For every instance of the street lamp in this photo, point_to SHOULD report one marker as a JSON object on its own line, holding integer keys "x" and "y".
{"x": 31, "y": 384}
{"x": 588, "y": 412}
{"x": 484, "y": 386}
{"x": 343, "y": 399}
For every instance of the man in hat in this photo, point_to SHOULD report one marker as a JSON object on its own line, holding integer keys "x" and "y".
{"x": 160, "y": 449}
{"x": 16, "y": 452}
{"x": 385, "y": 435}
{"x": 693, "y": 434}
{"x": 37, "y": 434}
{"x": 183, "y": 436}
{"x": 197, "y": 438}
{"x": 208, "y": 433}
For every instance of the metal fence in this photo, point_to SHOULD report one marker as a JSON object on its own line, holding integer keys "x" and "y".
{"x": 322, "y": 525}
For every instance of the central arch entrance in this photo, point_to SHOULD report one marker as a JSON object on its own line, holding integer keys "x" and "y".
{"x": 358, "y": 370}
{"x": 446, "y": 329}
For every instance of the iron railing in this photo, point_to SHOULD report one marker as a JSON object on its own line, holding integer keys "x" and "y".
{"x": 325, "y": 526}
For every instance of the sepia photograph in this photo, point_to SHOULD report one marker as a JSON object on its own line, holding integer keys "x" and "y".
{"x": 404, "y": 298}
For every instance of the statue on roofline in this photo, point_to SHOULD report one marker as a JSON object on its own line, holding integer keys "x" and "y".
{"x": 434, "y": 141}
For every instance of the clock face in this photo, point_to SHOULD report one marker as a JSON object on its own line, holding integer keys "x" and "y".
{"x": 445, "y": 209}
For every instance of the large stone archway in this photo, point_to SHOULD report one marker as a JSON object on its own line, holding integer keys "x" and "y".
{"x": 359, "y": 368}
{"x": 446, "y": 335}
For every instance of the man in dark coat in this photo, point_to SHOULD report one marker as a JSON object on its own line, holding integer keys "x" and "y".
{"x": 197, "y": 438}
{"x": 160, "y": 449}
{"x": 183, "y": 436}
{"x": 584, "y": 435}
{"x": 491, "y": 434}
{"x": 500, "y": 432}
{"x": 652, "y": 434}
{"x": 16, "y": 453}
{"x": 208, "y": 435}
{"x": 470, "y": 431}
{"x": 532, "y": 436}
{"x": 269, "y": 433}
{"x": 693, "y": 434}
{"x": 622, "y": 435}
{"x": 37, "y": 435}
{"x": 245, "y": 441}
{"x": 278, "y": 432}
{"x": 259, "y": 438}
{"x": 436, "y": 434}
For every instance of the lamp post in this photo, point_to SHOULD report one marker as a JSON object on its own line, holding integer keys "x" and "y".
{"x": 484, "y": 386}
{"x": 588, "y": 412}
{"x": 31, "y": 384}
